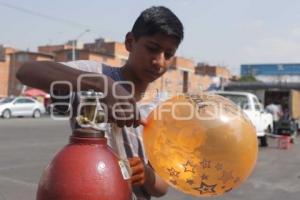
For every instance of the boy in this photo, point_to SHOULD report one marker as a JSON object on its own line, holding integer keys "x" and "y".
{"x": 152, "y": 43}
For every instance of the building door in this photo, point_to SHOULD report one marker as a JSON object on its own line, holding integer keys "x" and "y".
{"x": 185, "y": 81}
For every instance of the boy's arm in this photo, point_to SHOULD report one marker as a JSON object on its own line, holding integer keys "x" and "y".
{"x": 143, "y": 175}
{"x": 41, "y": 74}
{"x": 154, "y": 184}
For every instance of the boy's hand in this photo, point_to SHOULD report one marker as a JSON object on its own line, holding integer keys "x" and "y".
{"x": 122, "y": 108}
{"x": 138, "y": 175}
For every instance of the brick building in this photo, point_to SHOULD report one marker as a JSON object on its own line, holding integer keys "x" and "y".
{"x": 180, "y": 78}
{"x": 83, "y": 54}
{"x": 4, "y": 69}
{"x": 219, "y": 75}
{"x": 205, "y": 69}
{"x": 108, "y": 52}
{"x": 49, "y": 49}
{"x": 16, "y": 59}
{"x": 183, "y": 76}
{"x": 109, "y": 48}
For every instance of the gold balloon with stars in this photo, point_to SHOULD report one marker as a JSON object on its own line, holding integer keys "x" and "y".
{"x": 201, "y": 144}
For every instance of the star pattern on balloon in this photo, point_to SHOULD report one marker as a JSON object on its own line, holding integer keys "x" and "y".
{"x": 205, "y": 164}
{"x": 173, "y": 172}
{"x": 204, "y": 177}
{"x": 190, "y": 181}
{"x": 196, "y": 98}
{"x": 189, "y": 167}
{"x": 230, "y": 109}
{"x": 203, "y": 109}
{"x": 219, "y": 166}
{"x": 205, "y": 188}
{"x": 227, "y": 175}
{"x": 189, "y": 164}
{"x": 201, "y": 104}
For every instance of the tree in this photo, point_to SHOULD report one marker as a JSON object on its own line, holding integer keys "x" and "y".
{"x": 248, "y": 78}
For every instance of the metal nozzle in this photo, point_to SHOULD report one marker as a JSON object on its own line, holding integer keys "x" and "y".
{"x": 91, "y": 113}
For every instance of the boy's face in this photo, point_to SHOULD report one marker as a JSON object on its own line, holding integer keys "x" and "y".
{"x": 150, "y": 56}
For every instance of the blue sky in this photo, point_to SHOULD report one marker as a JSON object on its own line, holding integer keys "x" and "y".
{"x": 226, "y": 32}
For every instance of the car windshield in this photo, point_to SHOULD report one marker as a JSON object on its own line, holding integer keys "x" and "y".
{"x": 6, "y": 100}
{"x": 240, "y": 100}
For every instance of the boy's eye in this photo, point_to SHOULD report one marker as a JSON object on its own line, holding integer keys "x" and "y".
{"x": 168, "y": 56}
{"x": 152, "y": 49}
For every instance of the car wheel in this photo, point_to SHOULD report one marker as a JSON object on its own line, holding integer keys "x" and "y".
{"x": 36, "y": 114}
{"x": 263, "y": 141}
{"x": 6, "y": 114}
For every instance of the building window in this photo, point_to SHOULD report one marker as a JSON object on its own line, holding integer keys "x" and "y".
{"x": 70, "y": 55}
{"x": 22, "y": 58}
{"x": 280, "y": 67}
{"x": 2, "y": 53}
{"x": 19, "y": 86}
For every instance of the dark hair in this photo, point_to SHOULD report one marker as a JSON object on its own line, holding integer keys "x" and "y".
{"x": 158, "y": 19}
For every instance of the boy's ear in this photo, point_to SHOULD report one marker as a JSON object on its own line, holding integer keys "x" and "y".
{"x": 129, "y": 41}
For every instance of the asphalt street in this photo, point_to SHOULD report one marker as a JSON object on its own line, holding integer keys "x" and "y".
{"x": 27, "y": 145}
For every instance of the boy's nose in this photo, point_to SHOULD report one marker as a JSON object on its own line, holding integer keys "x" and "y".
{"x": 159, "y": 60}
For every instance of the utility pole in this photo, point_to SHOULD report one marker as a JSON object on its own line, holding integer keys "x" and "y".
{"x": 74, "y": 43}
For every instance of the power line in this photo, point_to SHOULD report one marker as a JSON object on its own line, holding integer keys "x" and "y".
{"x": 32, "y": 12}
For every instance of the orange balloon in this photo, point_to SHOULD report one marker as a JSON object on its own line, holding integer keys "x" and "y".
{"x": 201, "y": 144}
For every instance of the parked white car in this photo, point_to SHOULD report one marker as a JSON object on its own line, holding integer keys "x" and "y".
{"x": 249, "y": 103}
{"x": 20, "y": 106}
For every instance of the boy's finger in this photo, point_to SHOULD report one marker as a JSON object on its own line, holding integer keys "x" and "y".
{"x": 137, "y": 180}
{"x": 138, "y": 169}
{"x": 143, "y": 122}
{"x": 134, "y": 161}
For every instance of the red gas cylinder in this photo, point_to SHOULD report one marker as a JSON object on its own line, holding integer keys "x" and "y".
{"x": 85, "y": 169}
